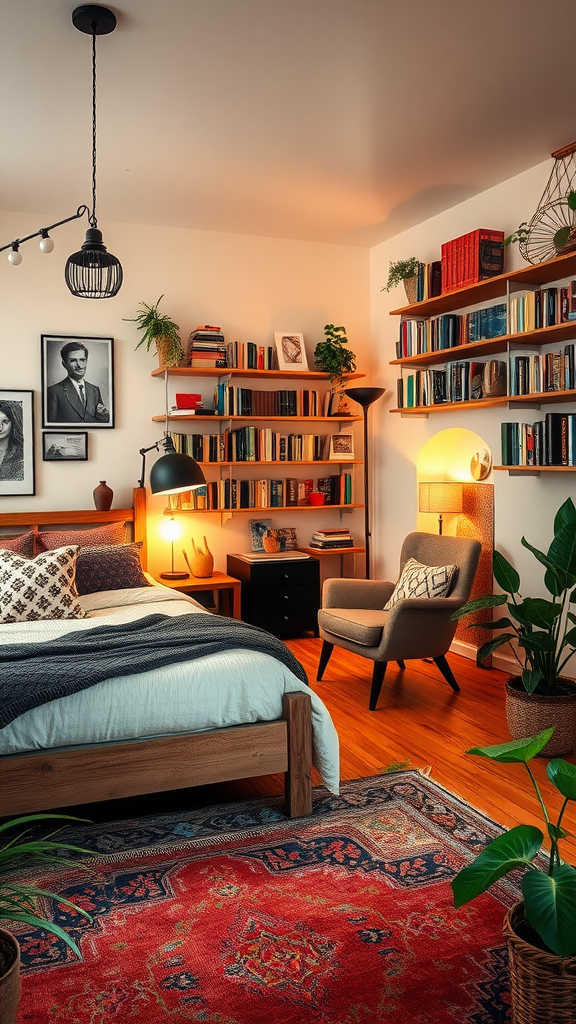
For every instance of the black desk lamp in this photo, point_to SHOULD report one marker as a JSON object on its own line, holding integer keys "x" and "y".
{"x": 366, "y": 397}
{"x": 174, "y": 472}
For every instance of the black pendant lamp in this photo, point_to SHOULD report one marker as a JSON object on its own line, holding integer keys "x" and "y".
{"x": 93, "y": 273}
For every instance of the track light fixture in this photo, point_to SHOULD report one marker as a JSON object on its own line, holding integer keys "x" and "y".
{"x": 46, "y": 243}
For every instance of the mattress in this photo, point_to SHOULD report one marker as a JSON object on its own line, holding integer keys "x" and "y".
{"x": 228, "y": 688}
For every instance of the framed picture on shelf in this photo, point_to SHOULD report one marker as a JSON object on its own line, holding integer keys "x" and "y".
{"x": 16, "y": 443}
{"x": 65, "y": 447}
{"x": 77, "y": 381}
{"x": 341, "y": 447}
{"x": 258, "y": 527}
{"x": 288, "y": 537}
{"x": 290, "y": 350}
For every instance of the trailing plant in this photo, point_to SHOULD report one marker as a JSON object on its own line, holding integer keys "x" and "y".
{"x": 18, "y": 900}
{"x": 541, "y": 633}
{"x": 549, "y": 893}
{"x": 520, "y": 235}
{"x": 156, "y": 326}
{"x": 332, "y": 357}
{"x": 399, "y": 270}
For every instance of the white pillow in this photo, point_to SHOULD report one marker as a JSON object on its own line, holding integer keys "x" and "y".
{"x": 39, "y": 588}
{"x": 419, "y": 580}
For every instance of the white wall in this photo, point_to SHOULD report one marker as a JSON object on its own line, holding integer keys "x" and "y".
{"x": 523, "y": 505}
{"x": 249, "y": 286}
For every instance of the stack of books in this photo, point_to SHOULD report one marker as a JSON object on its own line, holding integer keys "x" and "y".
{"x": 472, "y": 257}
{"x": 326, "y": 540}
{"x": 246, "y": 355}
{"x": 206, "y": 347}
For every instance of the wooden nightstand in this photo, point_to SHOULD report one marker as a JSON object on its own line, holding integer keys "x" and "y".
{"x": 281, "y": 596}
{"x": 223, "y": 586}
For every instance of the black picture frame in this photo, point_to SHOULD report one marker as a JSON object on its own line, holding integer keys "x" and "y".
{"x": 17, "y": 466}
{"x": 65, "y": 446}
{"x": 62, "y": 406}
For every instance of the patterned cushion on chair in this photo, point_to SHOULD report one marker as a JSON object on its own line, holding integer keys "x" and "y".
{"x": 39, "y": 588}
{"x": 419, "y": 580}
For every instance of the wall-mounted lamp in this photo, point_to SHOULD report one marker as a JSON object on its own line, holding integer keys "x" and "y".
{"x": 443, "y": 497}
{"x": 46, "y": 244}
{"x": 174, "y": 473}
{"x": 171, "y": 531}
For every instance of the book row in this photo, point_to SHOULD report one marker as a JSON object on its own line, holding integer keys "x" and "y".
{"x": 253, "y": 444}
{"x": 236, "y": 494}
{"x": 542, "y": 371}
{"x": 448, "y": 330}
{"x": 472, "y": 257}
{"x": 547, "y": 442}
{"x": 230, "y": 400}
{"x": 543, "y": 308}
{"x": 459, "y": 381}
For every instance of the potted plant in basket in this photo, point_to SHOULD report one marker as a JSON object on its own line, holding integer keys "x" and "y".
{"x": 18, "y": 900}
{"x": 159, "y": 328}
{"x": 332, "y": 357}
{"x": 403, "y": 270}
{"x": 542, "y": 636}
{"x": 540, "y": 930}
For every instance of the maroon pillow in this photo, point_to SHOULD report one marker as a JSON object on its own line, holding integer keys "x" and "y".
{"x": 112, "y": 533}
{"x": 114, "y": 567}
{"x": 22, "y": 545}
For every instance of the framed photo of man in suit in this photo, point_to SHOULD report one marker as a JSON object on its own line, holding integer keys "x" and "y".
{"x": 77, "y": 381}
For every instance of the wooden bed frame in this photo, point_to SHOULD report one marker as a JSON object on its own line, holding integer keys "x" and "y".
{"x": 43, "y": 780}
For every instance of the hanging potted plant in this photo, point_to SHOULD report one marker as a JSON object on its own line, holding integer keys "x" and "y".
{"x": 540, "y": 931}
{"x": 160, "y": 329}
{"x": 542, "y": 636}
{"x": 19, "y": 900}
{"x": 407, "y": 271}
{"x": 332, "y": 357}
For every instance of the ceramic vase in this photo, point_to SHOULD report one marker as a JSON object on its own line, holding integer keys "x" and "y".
{"x": 202, "y": 564}
{"x": 103, "y": 495}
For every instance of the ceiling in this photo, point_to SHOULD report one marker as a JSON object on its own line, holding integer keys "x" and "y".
{"x": 329, "y": 120}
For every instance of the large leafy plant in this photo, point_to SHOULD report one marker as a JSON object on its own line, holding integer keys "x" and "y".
{"x": 332, "y": 357}
{"x": 540, "y": 632}
{"x": 18, "y": 900}
{"x": 549, "y": 893}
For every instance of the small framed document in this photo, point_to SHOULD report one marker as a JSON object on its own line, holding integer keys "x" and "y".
{"x": 290, "y": 350}
{"x": 341, "y": 447}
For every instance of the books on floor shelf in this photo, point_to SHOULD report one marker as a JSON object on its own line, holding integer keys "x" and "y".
{"x": 325, "y": 540}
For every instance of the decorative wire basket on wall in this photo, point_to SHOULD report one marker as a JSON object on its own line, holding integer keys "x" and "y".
{"x": 553, "y": 212}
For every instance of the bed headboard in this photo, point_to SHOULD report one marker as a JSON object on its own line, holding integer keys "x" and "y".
{"x": 36, "y": 519}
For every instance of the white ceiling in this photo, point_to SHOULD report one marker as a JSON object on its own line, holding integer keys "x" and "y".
{"x": 328, "y": 120}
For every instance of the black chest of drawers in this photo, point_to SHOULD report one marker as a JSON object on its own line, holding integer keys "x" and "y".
{"x": 282, "y": 596}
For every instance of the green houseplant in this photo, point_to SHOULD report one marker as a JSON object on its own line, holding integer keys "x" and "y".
{"x": 332, "y": 357}
{"x": 540, "y": 632}
{"x": 159, "y": 328}
{"x": 403, "y": 270}
{"x": 18, "y": 900}
{"x": 541, "y": 930}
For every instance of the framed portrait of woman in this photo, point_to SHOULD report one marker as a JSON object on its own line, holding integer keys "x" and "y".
{"x": 16, "y": 443}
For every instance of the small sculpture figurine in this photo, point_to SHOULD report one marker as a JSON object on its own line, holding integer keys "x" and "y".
{"x": 202, "y": 561}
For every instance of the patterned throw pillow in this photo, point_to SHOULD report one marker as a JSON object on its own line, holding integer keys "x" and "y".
{"x": 419, "y": 580}
{"x": 113, "y": 533}
{"x": 23, "y": 545}
{"x": 39, "y": 588}
{"x": 109, "y": 568}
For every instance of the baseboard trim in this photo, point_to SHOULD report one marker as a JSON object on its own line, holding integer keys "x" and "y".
{"x": 463, "y": 649}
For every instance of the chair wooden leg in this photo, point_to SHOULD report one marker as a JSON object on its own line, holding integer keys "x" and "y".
{"x": 447, "y": 672}
{"x": 377, "y": 680}
{"x": 324, "y": 658}
{"x": 401, "y": 664}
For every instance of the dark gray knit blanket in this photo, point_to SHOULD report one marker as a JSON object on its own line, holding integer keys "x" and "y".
{"x": 34, "y": 674}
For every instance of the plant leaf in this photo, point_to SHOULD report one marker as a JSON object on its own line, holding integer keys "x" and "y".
{"x": 479, "y": 603}
{"x": 515, "y": 750}
{"x": 550, "y": 906}
{"x": 537, "y": 611}
{"x": 561, "y": 237}
{"x": 558, "y": 575}
{"x": 563, "y": 775}
{"x": 492, "y": 645}
{"x": 530, "y": 679}
{"x": 514, "y": 849}
{"x": 566, "y": 514}
{"x": 562, "y": 553}
{"x": 49, "y": 926}
{"x": 505, "y": 574}
{"x": 496, "y": 624}
{"x": 572, "y": 200}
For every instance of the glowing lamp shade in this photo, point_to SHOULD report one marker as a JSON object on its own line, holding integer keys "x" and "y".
{"x": 170, "y": 530}
{"x": 442, "y": 497}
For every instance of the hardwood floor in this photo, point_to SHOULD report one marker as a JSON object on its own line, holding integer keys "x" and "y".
{"x": 420, "y": 719}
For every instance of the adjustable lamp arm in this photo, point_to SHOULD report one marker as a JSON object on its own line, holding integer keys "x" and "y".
{"x": 143, "y": 452}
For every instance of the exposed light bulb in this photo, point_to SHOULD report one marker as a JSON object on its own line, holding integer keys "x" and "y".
{"x": 15, "y": 257}
{"x": 170, "y": 530}
{"x": 46, "y": 244}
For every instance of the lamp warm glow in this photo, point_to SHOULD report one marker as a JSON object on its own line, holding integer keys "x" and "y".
{"x": 171, "y": 530}
{"x": 440, "y": 496}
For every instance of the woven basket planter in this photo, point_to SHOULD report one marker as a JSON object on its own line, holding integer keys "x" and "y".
{"x": 542, "y": 985}
{"x": 528, "y": 714}
{"x": 410, "y": 287}
{"x": 9, "y": 977}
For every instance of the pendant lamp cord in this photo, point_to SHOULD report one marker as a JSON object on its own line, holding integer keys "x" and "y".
{"x": 92, "y": 217}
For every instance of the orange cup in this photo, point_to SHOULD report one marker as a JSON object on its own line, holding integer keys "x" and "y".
{"x": 317, "y": 497}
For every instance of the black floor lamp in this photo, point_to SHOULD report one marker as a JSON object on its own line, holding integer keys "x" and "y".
{"x": 366, "y": 397}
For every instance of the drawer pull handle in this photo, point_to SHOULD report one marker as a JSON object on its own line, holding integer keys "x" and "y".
{"x": 286, "y": 576}
{"x": 286, "y": 597}
{"x": 285, "y": 618}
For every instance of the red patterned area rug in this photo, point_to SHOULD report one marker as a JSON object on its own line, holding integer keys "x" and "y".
{"x": 233, "y": 914}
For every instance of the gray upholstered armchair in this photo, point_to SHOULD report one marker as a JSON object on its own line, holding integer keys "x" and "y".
{"x": 352, "y": 614}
